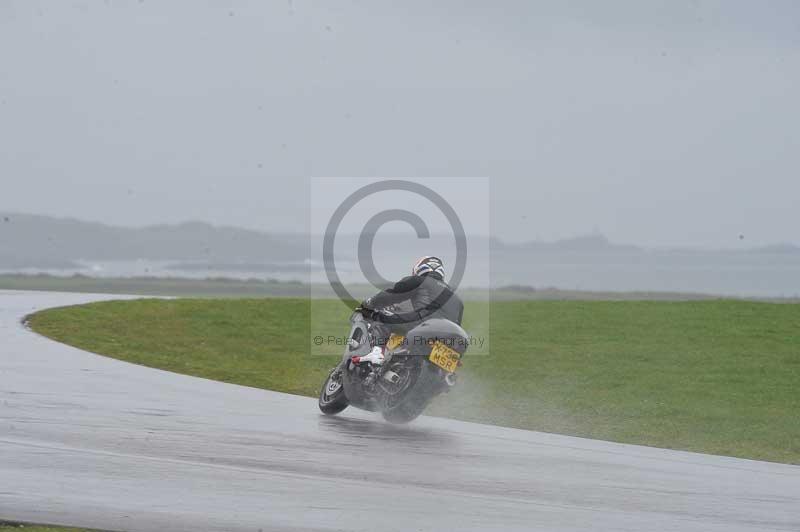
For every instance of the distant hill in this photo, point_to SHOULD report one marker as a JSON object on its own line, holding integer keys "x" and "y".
{"x": 594, "y": 243}
{"x": 782, "y": 249}
{"x": 43, "y": 241}
{"x": 33, "y": 241}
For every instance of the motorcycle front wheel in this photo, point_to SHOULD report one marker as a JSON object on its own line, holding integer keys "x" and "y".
{"x": 332, "y": 399}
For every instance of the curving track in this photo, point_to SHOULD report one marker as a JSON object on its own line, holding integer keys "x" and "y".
{"x": 90, "y": 441}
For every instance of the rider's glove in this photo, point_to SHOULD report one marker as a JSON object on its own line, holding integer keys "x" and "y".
{"x": 381, "y": 315}
{"x": 366, "y": 312}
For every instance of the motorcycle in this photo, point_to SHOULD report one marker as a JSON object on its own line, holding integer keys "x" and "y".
{"x": 417, "y": 367}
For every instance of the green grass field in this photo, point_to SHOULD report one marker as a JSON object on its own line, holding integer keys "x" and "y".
{"x": 717, "y": 376}
{"x": 23, "y": 527}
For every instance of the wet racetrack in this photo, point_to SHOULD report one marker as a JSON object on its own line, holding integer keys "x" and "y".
{"x": 90, "y": 441}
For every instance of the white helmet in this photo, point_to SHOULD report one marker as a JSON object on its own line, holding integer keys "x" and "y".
{"x": 428, "y": 264}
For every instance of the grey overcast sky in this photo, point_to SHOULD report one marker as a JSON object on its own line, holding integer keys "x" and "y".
{"x": 656, "y": 123}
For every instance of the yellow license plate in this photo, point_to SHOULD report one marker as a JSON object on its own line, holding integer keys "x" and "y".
{"x": 395, "y": 340}
{"x": 444, "y": 357}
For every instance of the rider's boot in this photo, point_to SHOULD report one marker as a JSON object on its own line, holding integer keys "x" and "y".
{"x": 375, "y": 356}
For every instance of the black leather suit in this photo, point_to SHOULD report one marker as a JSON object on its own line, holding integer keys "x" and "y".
{"x": 429, "y": 295}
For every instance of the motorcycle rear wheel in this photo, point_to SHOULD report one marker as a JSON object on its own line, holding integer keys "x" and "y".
{"x": 412, "y": 401}
{"x": 332, "y": 398}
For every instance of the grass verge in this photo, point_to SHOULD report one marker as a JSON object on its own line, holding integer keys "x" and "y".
{"x": 720, "y": 376}
{"x": 26, "y": 527}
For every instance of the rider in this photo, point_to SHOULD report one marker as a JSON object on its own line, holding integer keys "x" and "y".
{"x": 430, "y": 297}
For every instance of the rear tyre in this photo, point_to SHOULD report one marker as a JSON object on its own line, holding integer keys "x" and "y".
{"x": 332, "y": 399}
{"x": 406, "y": 405}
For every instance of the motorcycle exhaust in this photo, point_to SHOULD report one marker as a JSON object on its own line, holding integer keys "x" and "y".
{"x": 391, "y": 376}
{"x": 450, "y": 379}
